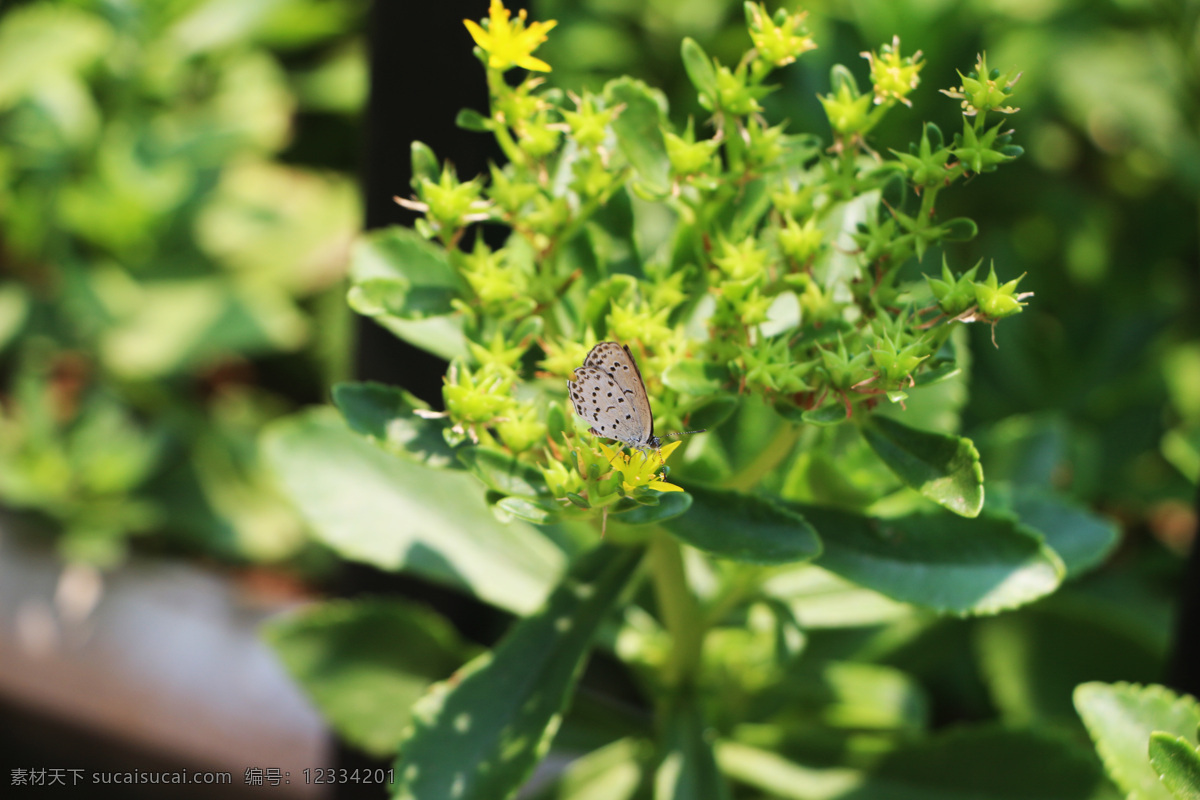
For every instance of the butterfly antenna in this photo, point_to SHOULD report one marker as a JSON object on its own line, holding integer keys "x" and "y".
{"x": 683, "y": 433}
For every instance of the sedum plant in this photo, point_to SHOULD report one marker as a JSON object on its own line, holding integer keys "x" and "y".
{"x": 752, "y": 581}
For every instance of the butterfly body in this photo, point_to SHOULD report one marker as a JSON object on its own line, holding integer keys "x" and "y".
{"x": 609, "y": 394}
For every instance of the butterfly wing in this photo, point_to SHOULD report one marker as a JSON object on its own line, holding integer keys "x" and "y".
{"x": 601, "y": 402}
{"x": 634, "y": 412}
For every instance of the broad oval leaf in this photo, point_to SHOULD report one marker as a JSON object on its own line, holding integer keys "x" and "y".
{"x": 639, "y": 131}
{"x": 939, "y": 561}
{"x": 1082, "y": 539}
{"x": 478, "y": 735}
{"x": 398, "y": 251}
{"x": 396, "y": 514}
{"x": 1032, "y": 661}
{"x": 942, "y": 467}
{"x": 539, "y": 513}
{"x": 712, "y": 413}
{"x": 387, "y": 414}
{"x": 669, "y": 506}
{"x": 502, "y": 472}
{"x": 399, "y": 298}
{"x": 688, "y": 770}
{"x": 1120, "y": 718}
{"x": 744, "y": 527}
{"x": 831, "y": 414}
{"x": 365, "y": 663}
{"x": 1177, "y": 763}
{"x": 985, "y": 763}
{"x": 847, "y": 695}
{"x": 695, "y": 377}
{"x": 699, "y": 68}
{"x": 819, "y": 599}
{"x": 418, "y": 269}
{"x": 612, "y": 772}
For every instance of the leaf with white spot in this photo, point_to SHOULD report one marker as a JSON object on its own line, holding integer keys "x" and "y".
{"x": 478, "y": 735}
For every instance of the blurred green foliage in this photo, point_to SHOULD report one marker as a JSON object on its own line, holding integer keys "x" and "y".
{"x": 163, "y": 269}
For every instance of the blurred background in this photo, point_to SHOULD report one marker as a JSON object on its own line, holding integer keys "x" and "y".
{"x": 180, "y": 184}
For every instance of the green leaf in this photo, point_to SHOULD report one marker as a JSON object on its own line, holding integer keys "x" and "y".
{"x": 689, "y": 769}
{"x": 754, "y": 201}
{"x": 539, "y": 513}
{"x": 639, "y": 130}
{"x": 936, "y": 373}
{"x": 366, "y": 662}
{"x": 695, "y": 377}
{"x": 959, "y": 229}
{"x": 479, "y": 735}
{"x": 819, "y": 599}
{"x": 612, "y": 772}
{"x": 171, "y": 325}
{"x": 1177, "y": 763}
{"x": 400, "y": 252}
{"x": 845, "y": 694}
{"x": 713, "y": 412}
{"x": 1032, "y": 661}
{"x": 471, "y": 120}
{"x": 502, "y": 472}
{"x": 1083, "y": 540}
{"x": 745, "y": 528}
{"x": 425, "y": 164}
{"x": 670, "y": 505}
{"x": 396, "y": 514}
{"x": 944, "y": 468}
{"x": 699, "y": 68}
{"x": 779, "y": 777}
{"x": 387, "y": 414}
{"x": 985, "y": 763}
{"x": 832, "y": 414}
{"x": 405, "y": 284}
{"x": 939, "y": 561}
{"x": 14, "y": 303}
{"x": 1120, "y": 718}
{"x": 397, "y": 297}
{"x": 42, "y": 44}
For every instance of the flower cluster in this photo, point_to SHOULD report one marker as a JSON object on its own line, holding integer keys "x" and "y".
{"x": 746, "y": 261}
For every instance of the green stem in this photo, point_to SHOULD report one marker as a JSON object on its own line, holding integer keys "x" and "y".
{"x": 679, "y": 609}
{"x": 928, "y": 198}
{"x": 777, "y": 450}
{"x": 497, "y": 87}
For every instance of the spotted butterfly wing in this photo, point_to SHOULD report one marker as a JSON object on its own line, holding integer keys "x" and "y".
{"x": 608, "y": 392}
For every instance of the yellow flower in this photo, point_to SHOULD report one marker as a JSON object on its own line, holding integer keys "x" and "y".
{"x": 510, "y": 43}
{"x": 640, "y": 467}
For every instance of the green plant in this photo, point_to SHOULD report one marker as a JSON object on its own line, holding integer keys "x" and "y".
{"x": 155, "y": 249}
{"x": 1146, "y": 737}
{"x": 769, "y": 285}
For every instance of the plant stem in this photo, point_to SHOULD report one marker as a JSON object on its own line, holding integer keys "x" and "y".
{"x": 777, "y": 449}
{"x": 679, "y": 609}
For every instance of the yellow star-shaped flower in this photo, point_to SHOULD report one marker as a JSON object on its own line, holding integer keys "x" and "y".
{"x": 640, "y": 467}
{"x": 509, "y": 43}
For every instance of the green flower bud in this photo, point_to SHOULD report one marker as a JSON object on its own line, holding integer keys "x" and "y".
{"x": 998, "y": 302}
{"x": 779, "y": 40}
{"x": 741, "y": 261}
{"x": 800, "y": 242}
{"x": 954, "y": 296}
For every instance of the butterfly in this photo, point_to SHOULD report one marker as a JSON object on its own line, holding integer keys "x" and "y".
{"x": 609, "y": 394}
